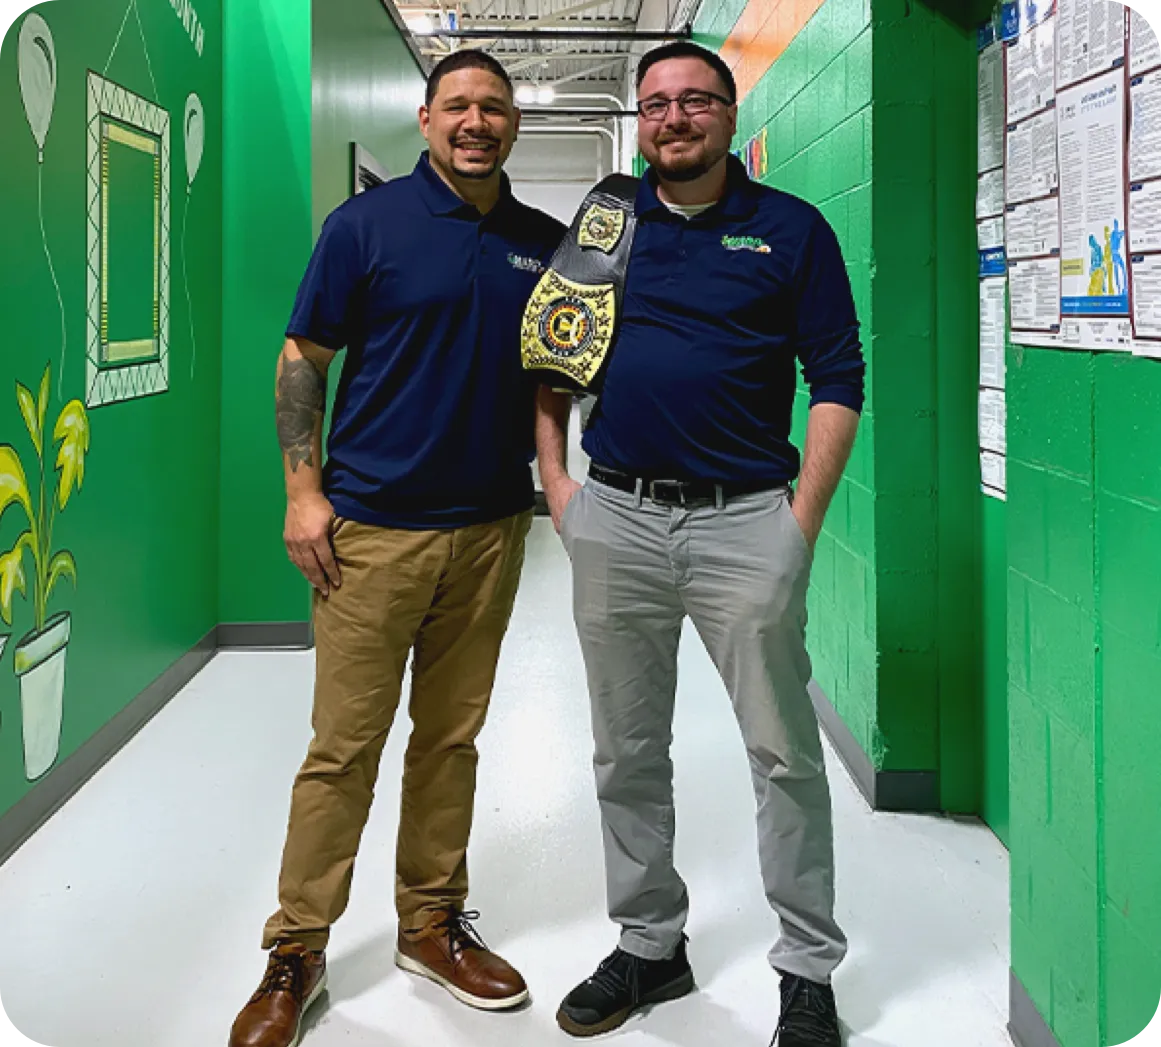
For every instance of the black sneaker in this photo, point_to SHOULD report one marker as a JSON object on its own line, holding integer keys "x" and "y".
{"x": 809, "y": 1017}
{"x": 622, "y": 984}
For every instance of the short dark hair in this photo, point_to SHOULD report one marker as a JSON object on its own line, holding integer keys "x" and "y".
{"x": 466, "y": 59}
{"x": 686, "y": 49}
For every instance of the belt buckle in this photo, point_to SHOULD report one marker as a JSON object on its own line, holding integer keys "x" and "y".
{"x": 657, "y": 486}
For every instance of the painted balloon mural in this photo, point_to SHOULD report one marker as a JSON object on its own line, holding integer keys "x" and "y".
{"x": 38, "y": 75}
{"x": 195, "y": 142}
{"x": 36, "y": 61}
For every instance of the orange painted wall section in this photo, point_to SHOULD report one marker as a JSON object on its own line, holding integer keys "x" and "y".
{"x": 763, "y": 32}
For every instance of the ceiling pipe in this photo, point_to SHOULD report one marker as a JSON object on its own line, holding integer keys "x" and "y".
{"x": 621, "y": 135}
{"x": 564, "y": 16}
{"x": 546, "y": 129}
{"x": 573, "y": 130}
{"x": 590, "y": 35}
{"x": 600, "y": 114}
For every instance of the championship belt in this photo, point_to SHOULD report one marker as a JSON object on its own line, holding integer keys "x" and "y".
{"x": 572, "y": 317}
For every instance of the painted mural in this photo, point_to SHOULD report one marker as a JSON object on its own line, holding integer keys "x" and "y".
{"x": 97, "y": 317}
{"x": 34, "y": 567}
{"x": 37, "y": 67}
{"x": 194, "y": 126}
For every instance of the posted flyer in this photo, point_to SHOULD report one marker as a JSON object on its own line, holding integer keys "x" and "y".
{"x": 1093, "y": 228}
{"x": 1091, "y": 39}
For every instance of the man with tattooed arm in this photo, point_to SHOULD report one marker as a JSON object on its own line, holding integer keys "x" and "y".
{"x": 412, "y": 533}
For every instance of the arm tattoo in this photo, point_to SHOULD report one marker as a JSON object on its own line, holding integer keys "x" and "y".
{"x": 300, "y": 403}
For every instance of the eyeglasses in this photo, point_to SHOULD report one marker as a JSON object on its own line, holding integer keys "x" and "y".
{"x": 692, "y": 103}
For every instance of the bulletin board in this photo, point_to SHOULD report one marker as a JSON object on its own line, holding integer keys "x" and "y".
{"x": 1068, "y": 203}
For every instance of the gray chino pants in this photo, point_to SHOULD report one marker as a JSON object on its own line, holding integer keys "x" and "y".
{"x": 740, "y": 572}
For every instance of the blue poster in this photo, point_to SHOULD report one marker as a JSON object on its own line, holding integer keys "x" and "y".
{"x": 993, "y": 262}
{"x": 1010, "y": 17}
{"x": 1108, "y": 278}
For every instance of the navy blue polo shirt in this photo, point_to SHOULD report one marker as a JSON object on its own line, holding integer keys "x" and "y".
{"x": 433, "y": 416}
{"x": 717, "y": 309}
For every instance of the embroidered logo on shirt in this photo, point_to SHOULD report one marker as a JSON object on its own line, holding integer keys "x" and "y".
{"x": 525, "y": 264}
{"x": 745, "y": 243}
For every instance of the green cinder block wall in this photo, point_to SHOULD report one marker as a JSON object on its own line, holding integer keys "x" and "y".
{"x": 1084, "y": 647}
{"x": 142, "y": 526}
{"x": 888, "y": 159}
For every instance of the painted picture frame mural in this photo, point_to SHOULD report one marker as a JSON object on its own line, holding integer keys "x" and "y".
{"x": 128, "y": 245}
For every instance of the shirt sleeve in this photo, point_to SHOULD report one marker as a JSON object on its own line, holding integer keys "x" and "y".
{"x": 826, "y": 327}
{"x": 323, "y": 309}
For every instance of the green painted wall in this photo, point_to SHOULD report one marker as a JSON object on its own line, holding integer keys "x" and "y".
{"x": 1084, "y": 533}
{"x": 888, "y": 159}
{"x": 288, "y": 148}
{"x": 815, "y": 103}
{"x": 367, "y": 89}
{"x": 267, "y": 241}
{"x": 143, "y": 527}
{"x": 994, "y": 635}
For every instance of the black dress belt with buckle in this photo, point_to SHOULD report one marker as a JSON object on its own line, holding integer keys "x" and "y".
{"x": 677, "y": 492}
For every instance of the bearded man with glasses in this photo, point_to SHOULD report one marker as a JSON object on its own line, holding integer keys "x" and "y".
{"x": 689, "y": 511}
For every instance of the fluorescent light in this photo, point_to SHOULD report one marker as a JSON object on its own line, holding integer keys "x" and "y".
{"x": 545, "y": 96}
{"x": 525, "y": 94}
{"x": 419, "y": 22}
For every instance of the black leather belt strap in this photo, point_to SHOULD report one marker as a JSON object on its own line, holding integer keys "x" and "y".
{"x": 571, "y": 320}
{"x": 677, "y": 492}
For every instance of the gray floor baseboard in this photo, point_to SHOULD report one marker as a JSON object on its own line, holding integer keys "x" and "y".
{"x": 914, "y": 791}
{"x": 265, "y": 636}
{"x": 1026, "y": 1025}
{"x": 41, "y": 802}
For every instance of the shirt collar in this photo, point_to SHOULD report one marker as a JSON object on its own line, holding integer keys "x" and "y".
{"x": 739, "y": 201}
{"x": 441, "y": 199}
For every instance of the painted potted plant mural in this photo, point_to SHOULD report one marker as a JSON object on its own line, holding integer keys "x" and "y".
{"x": 39, "y": 658}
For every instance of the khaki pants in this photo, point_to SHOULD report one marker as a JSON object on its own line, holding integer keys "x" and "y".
{"x": 447, "y": 596}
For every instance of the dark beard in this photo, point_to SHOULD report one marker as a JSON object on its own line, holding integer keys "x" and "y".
{"x": 689, "y": 173}
{"x": 476, "y": 174}
{"x": 690, "y": 170}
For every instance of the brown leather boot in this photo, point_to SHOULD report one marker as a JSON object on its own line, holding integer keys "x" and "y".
{"x": 294, "y": 979}
{"x": 452, "y": 954}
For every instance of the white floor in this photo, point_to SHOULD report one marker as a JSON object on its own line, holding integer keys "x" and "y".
{"x": 132, "y": 918}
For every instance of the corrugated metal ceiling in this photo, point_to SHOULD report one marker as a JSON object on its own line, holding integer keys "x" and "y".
{"x": 571, "y": 64}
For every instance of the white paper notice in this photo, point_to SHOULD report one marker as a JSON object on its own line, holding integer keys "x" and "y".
{"x": 1033, "y": 228}
{"x": 990, "y": 233}
{"x": 993, "y": 421}
{"x": 1094, "y": 276}
{"x": 1147, "y": 298}
{"x": 992, "y": 332}
{"x": 1087, "y": 332}
{"x": 990, "y": 194}
{"x": 1145, "y": 216}
{"x": 1032, "y": 170}
{"x": 1031, "y": 71}
{"x": 991, "y": 107}
{"x": 1145, "y": 126}
{"x": 1144, "y": 47}
{"x": 993, "y": 474}
{"x": 1034, "y": 288}
{"x": 1090, "y": 38}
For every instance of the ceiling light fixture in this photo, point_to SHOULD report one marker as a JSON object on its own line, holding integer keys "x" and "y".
{"x": 418, "y": 22}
